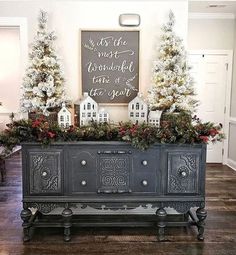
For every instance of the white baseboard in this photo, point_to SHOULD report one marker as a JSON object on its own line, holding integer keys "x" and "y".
{"x": 231, "y": 163}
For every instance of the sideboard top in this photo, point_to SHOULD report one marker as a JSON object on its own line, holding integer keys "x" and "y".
{"x": 112, "y": 143}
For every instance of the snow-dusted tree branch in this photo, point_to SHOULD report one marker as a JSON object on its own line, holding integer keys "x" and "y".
{"x": 43, "y": 84}
{"x": 172, "y": 89}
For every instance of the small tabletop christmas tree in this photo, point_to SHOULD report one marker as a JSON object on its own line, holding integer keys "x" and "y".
{"x": 172, "y": 89}
{"x": 43, "y": 84}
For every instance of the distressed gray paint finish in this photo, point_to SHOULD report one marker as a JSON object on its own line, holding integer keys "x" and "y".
{"x": 183, "y": 172}
{"x": 114, "y": 175}
{"x": 45, "y": 172}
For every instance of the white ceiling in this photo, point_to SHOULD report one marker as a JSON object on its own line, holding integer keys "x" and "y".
{"x": 203, "y": 6}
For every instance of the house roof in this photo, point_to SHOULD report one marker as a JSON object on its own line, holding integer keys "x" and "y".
{"x": 155, "y": 114}
{"x": 138, "y": 97}
{"x": 62, "y": 109}
{"x": 83, "y": 99}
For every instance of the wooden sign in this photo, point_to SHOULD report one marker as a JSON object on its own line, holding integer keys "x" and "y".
{"x": 110, "y": 65}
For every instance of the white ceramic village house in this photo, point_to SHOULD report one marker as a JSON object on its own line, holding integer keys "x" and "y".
{"x": 154, "y": 118}
{"x": 138, "y": 109}
{"x": 64, "y": 117}
{"x": 103, "y": 116}
{"x": 88, "y": 110}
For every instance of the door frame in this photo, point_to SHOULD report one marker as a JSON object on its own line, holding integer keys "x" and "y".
{"x": 229, "y": 55}
{"x": 20, "y": 23}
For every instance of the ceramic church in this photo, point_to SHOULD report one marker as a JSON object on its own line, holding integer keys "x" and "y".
{"x": 64, "y": 117}
{"x": 154, "y": 118}
{"x": 138, "y": 109}
{"x": 103, "y": 116}
{"x": 86, "y": 110}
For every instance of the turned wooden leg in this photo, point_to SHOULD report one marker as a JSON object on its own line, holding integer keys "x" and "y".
{"x": 2, "y": 170}
{"x": 67, "y": 216}
{"x": 25, "y": 216}
{"x": 201, "y": 215}
{"x": 161, "y": 215}
{"x": 186, "y": 216}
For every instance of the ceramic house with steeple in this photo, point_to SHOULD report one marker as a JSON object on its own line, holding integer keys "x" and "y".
{"x": 138, "y": 109}
{"x": 64, "y": 117}
{"x": 86, "y": 109}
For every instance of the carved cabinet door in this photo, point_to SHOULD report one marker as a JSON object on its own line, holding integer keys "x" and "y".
{"x": 183, "y": 171}
{"x": 44, "y": 171}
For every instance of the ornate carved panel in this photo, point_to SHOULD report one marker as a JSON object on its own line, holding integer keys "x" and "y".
{"x": 44, "y": 207}
{"x": 183, "y": 172}
{"x": 45, "y": 172}
{"x": 182, "y": 207}
{"x": 114, "y": 174}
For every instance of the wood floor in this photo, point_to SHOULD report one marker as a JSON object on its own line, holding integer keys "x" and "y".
{"x": 220, "y": 233}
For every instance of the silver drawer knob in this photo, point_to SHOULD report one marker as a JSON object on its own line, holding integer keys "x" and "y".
{"x": 183, "y": 174}
{"x": 144, "y": 183}
{"x": 83, "y": 183}
{"x": 83, "y": 162}
{"x": 144, "y": 162}
{"x": 44, "y": 174}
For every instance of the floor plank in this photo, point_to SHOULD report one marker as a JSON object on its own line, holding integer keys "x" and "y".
{"x": 220, "y": 234}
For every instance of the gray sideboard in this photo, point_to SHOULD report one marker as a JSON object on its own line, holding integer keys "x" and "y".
{"x": 112, "y": 175}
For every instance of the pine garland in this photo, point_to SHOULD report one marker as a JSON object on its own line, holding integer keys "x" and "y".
{"x": 173, "y": 130}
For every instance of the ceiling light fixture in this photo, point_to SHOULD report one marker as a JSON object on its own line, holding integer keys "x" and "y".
{"x": 129, "y": 20}
{"x": 216, "y": 5}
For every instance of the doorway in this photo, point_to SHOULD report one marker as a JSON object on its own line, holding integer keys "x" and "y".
{"x": 211, "y": 71}
{"x": 13, "y": 60}
{"x": 10, "y": 67}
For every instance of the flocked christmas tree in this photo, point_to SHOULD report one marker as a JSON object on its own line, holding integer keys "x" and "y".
{"x": 172, "y": 89}
{"x": 43, "y": 84}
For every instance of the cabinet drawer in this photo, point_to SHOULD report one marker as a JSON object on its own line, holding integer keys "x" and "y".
{"x": 145, "y": 182}
{"x": 82, "y": 170}
{"x": 146, "y": 161}
{"x": 83, "y": 182}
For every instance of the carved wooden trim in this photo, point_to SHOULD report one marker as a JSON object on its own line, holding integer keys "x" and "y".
{"x": 44, "y": 207}
{"x": 115, "y": 206}
{"x": 45, "y": 172}
{"x": 183, "y": 172}
{"x": 115, "y": 152}
{"x": 114, "y": 174}
{"x": 182, "y": 207}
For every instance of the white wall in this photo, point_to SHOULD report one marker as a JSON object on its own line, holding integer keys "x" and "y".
{"x": 233, "y": 95}
{"x": 68, "y": 17}
{"x": 211, "y": 34}
{"x": 9, "y": 73}
{"x": 217, "y": 34}
{"x": 232, "y": 130}
{"x": 232, "y": 138}
{"x": 9, "y": 67}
